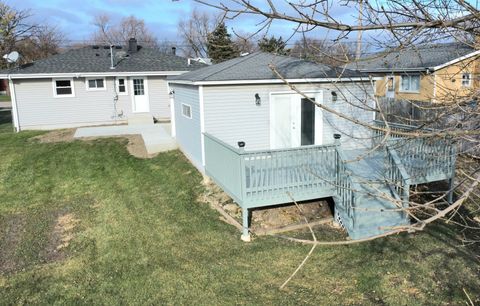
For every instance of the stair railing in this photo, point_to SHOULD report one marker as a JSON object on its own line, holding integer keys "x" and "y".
{"x": 345, "y": 186}
{"x": 397, "y": 176}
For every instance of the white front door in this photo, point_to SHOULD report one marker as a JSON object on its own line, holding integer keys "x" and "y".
{"x": 390, "y": 90}
{"x": 295, "y": 121}
{"x": 140, "y": 96}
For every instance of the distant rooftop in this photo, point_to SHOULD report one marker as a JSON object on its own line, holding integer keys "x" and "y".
{"x": 256, "y": 67}
{"x": 97, "y": 59}
{"x": 416, "y": 57}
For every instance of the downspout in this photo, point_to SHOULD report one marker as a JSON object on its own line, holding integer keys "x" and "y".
{"x": 13, "y": 97}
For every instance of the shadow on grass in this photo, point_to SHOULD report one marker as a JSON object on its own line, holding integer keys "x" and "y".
{"x": 5, "y": 116}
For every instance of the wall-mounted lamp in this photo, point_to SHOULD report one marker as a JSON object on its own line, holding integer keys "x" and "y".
{"x": 334, "y": 96}
{"x": 172, "y": 92}
{"x": 258, "y": 100}
{"x": 241, "y": 144}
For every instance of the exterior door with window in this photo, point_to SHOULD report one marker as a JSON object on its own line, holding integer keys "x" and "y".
{"x": 140, "y": 97}
{"x": 390, "y": 91}
{"x": 295, "y": 121}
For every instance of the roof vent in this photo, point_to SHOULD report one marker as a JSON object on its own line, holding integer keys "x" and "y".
{"x": 244, "y": 54}
{"x": 106, "y": 47}
{"x": 118, "y": 47}
{"x": 95, "y": 47}
{"x": 96, "y": 54}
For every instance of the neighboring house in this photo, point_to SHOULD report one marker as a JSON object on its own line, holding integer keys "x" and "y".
{"x": 87, "y": 86}
{"x": 265, "y": 143}
{"x": 435, "y": 73}
{"x": 4, "y": 87}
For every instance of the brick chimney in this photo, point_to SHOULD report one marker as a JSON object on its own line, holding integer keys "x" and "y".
{"x": 132, "y": 45}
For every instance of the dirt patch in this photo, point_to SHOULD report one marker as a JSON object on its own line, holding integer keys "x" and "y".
{"x": 10, "y": 238}
{"x": 61, "y": 236}
{"x": 65, "y": 135}
{"x": 135, "y": 144}
{"x": 265, "y": 218}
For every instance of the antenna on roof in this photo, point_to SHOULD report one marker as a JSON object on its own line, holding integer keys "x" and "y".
{"x": 12, "y": 57}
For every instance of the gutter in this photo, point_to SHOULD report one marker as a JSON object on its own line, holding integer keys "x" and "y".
{"x": 88, "y": 74}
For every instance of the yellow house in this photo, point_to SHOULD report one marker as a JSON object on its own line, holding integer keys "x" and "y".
{"x": 436, "y": 73}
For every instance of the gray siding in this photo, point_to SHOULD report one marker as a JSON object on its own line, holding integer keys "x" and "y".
{"x": 39, "y": 109}
{"x": 159, "y": 97}
{"x": 188, "y": 131}
{"x": 231, "y": 113}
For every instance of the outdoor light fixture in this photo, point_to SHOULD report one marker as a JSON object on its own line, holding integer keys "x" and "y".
{"x": 258, "y": 101}
{"x": 334, "y": 96}
{"x": 172, "y": 92}
{"x": 241, "y": 144}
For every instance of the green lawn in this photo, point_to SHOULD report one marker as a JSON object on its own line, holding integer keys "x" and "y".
{"x": 4, "y": 98}
{"x": 139, "y": 236}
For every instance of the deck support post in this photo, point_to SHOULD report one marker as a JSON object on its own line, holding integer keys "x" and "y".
{"x": 450, "y": 191}
{"x": 245, "y": 233}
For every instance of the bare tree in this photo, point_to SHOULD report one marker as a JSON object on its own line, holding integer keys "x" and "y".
{"x": 15, "y": 26}
{"x": 194, "y": 31}
{"x": 119, "y": 34}
{"x": 322, "y": 51}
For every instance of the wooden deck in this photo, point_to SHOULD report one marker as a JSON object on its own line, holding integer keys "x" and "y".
{"x": 367, "y": 191}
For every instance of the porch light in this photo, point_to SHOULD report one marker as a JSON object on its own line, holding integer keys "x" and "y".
{"x": 171, "y": 93}
{"x": 258, "y": 101}
{"x": 241, "y": 144}
{"x": 334, "y": 96}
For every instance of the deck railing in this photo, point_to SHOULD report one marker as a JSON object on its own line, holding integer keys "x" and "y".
{"x": 345, "y": 186}
{"x": 398, "y": 178}
{"x": 426, "y": 158}
{"x": 268, "y": 177}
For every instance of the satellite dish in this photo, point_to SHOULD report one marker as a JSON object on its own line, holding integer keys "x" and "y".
{"x": 12, "y": 57}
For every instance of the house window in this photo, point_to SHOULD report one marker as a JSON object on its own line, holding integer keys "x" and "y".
{"x": 187, "y": 111}
{"x": 410, "y": 83}
{"x": 95, "y": 84}
{"x": 63, "y": 88}
{"x": 122, "y": 86}
{"x": 466, "y": 79}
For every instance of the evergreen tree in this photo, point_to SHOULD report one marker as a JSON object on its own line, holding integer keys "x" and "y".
{"x": 220, "y": 46}
{"x": 273, "y": 45}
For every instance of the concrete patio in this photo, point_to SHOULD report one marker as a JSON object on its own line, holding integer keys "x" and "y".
{"x": 157, "y": 137}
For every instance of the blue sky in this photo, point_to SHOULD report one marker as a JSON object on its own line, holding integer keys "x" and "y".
{"x": 74, "y": 17}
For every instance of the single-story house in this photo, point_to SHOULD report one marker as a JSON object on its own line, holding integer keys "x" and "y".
{"x": 431, "y": 73}
{"x": 94, "y": 85}
{"x": 251, "y": 125}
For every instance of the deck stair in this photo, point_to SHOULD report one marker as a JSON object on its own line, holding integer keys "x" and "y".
{"x": 375, "y": 205}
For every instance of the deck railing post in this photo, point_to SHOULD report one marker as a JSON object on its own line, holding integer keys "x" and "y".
{"x": 245, "y": 232}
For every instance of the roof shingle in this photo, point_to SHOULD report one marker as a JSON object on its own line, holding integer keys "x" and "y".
{"x": 97, "y": 59}
{"x": 256, "y": 67}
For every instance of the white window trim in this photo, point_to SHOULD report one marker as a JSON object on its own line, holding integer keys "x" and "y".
{"x": 410, "y": 91}
{"x": 95, "y": 89}
{"x": 54, "y": 87}
{"x": 469, "y": 80}
{"x": 190, "y": 107}
{"x": 117, "y": 86}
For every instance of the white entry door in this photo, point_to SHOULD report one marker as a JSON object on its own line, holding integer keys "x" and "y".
{"x": 140, "y": 96}
{"x": 295, "y": 121}
{"x": 390, "y": 90}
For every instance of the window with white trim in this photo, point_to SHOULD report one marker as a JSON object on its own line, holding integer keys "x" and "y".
{"x": 410, "y": 83}
{"x": 466, "y": 79}
{"x": 95, "y": 84}
{"x": 122, "y": 86}
{"x": 187, "y": 111}
{"x": 63, "y": 88}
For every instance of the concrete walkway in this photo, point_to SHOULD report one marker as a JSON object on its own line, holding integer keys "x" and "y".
{"x": 155, "y": 136}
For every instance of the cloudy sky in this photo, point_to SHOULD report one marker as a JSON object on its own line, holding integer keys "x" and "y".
{"x": 74, "y": 17}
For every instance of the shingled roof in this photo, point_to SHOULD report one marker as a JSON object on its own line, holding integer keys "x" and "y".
{"x": 415, "y": 58}
{"x": 256, "y": 67}
{"x": 96, "y": 59}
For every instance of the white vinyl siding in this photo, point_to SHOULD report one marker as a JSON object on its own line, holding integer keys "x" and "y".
{"x": 188, "y": 131}
{"x": 232, "y": 115}
{"x": 410, "y": 83}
